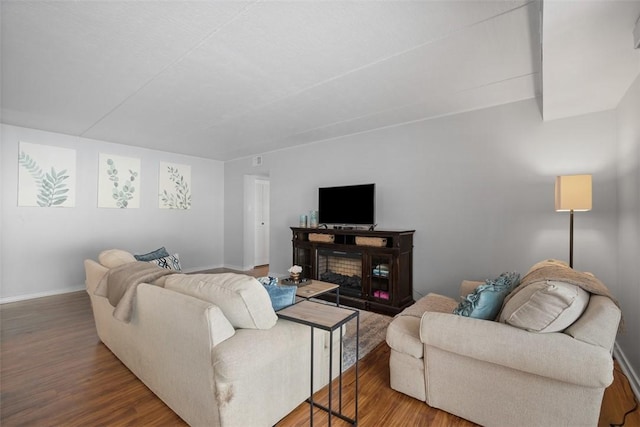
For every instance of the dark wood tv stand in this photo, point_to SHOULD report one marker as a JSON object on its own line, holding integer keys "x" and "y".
{"x": 373, "y": 268}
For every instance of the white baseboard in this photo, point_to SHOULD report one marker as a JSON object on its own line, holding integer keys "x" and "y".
{"x": 211, "y": 267}
{"x": 628, "y": 370}
{"x": 24, "y": 297}
{"x": 238, "y": 268}
{"x": 206, "y": 267}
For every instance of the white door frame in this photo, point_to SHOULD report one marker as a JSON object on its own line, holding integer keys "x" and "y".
{"x": 249, "y": 230}
{"x": 261, "y": 248}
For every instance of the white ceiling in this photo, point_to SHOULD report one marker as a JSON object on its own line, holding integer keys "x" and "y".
{"x": 588, "y": 57}
{"x": 228, "y": 79}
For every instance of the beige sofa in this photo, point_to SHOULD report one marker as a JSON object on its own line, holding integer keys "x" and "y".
{"x": 497, "y": 374}
{"x": 188, "y": 352}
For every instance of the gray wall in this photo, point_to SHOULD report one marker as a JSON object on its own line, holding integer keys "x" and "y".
{"x": 477, "y": 188}
{"x": 42, "y": 248}
{"x": 627, "y": 288}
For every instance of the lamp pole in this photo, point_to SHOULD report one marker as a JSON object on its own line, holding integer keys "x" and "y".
{"x": 571, "y": 238}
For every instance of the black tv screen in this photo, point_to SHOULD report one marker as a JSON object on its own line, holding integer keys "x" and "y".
{"x": 352, "y": 204}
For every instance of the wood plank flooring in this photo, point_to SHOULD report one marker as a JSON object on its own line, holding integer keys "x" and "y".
{"x": 55, "y": 372}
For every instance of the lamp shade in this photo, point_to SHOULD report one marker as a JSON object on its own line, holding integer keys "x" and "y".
{"x": 573, "y": 192}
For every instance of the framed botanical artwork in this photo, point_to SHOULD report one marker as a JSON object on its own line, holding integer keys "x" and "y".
{"x": 118, "y": 182}
{"x": 174, "y": 186}
{"x": 46, "y": 176}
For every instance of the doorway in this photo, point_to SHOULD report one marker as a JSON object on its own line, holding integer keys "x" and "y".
{"x": 261, "y": 223}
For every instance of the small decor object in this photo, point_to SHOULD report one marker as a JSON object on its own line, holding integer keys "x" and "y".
{"x": 174, "y": 186}
{"x": 118, "y": 182}
{"x": 313, "y": 219}
{"x": 294, "y": 272}
{"x": 381, "y": 294}
{"x": 46, "y": 176}
{"x": 378, "y": 242}
{"x": 302, "y": 281}
{"x": 319, "y": 237}
{"x": 303, "y": 221}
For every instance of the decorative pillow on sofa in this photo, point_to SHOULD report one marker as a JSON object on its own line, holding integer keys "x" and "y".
{"x": 170, "y": 262}
{"x": 158, "y": 253}
{"x": 114, "y": 257}
{"x": 486, "y": 300}
{"x": 281, "y": 295}
{"x": 242, "y": 299}
{"x": 546, "y": 306}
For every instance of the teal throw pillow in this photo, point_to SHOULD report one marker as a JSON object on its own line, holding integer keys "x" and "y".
{"x": 281, "y": 296}
{"x": 157, "y": 254}
{"x": 486, "y": 300}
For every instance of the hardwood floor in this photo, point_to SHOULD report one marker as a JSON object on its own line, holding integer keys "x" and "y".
{"x": 55, "y": 372}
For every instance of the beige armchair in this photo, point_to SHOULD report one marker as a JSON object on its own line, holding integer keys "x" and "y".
{"x": 495, "y": 374}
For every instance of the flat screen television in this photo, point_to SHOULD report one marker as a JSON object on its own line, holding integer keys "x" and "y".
{"x": 351, "y": 204}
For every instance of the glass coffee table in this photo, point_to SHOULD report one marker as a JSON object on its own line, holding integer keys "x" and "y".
{"x": 328, "y": 318}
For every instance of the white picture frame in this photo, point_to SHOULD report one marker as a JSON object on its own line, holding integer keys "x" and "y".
{"x": 46, "y": 176}
{"x": 118, "y": 182}
{"x": 174, "y": 186}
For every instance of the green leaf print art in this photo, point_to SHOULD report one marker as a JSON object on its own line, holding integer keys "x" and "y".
{"x": 118, "y": 181}
{"x": 121, "y": 194}
{"x": 178, "y": 196}
{"x": 52, "y": 190}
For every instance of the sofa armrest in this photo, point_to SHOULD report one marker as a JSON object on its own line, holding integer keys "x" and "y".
{"x": 175, "y": 341}
{"x": 552, "y": 355}
{"x": 94, "y": 272}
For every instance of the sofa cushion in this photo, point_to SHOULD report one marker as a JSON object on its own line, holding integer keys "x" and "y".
{"x": 242, "y": 299}
{"x": 546, "y": 306}
{"x": 486, "y": 300}
{"x": 170, "y": 262}
{"x": 158, "y": 253}
{"x": 252, "y": 351}
{"x": 114, "y": 257}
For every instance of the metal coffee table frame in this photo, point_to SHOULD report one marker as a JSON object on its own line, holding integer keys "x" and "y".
{"x": 330, "y": 327}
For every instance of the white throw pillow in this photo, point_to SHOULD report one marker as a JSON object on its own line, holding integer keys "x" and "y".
{"x": 242, "y": 299}
{"x": 546, "y": 306}
{"x": 114, "y": 257}
{"x": 171, "y": 262}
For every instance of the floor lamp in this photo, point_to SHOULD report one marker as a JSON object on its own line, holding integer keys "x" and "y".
{"x": 573, "y": 193}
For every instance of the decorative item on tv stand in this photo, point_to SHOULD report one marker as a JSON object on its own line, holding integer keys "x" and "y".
{"x": 313, "y": 219}
{"x": 295, "y": 272}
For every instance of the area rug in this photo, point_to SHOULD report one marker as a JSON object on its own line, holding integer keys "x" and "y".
{"x": 373, "y": 330}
